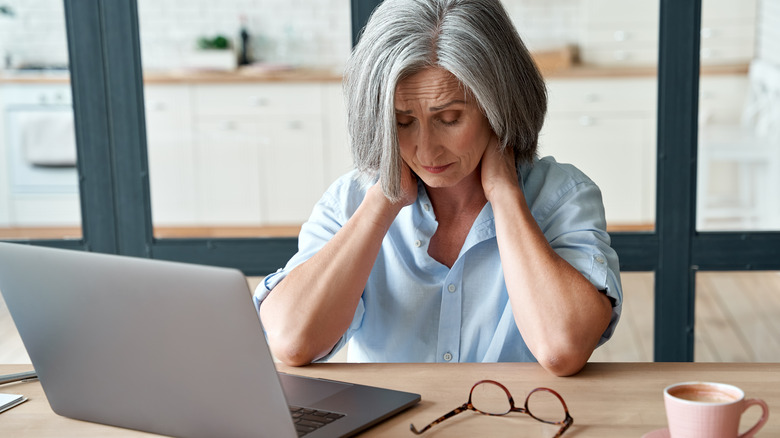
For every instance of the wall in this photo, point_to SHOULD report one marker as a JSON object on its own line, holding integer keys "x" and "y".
{"x": 769, "y": 31}
{"x": 313, "y": 32}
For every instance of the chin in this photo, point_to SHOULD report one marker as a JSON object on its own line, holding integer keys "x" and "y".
{"x": 440, "y": 182}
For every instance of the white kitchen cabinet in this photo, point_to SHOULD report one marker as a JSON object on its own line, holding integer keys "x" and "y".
{"x": 722, "y": 99}
{"x": 337, "y": 153}
{"x": 259, "y": 154}
{"x": 619, "y": 33}
{"x": 606, "y": 128}
{"x": 227, "y": 171}
{"x": 292, "y": 169}
{"x": 258, "y": 99}
{"x": 623, "y": 33}
{"x": 171, "y": 154}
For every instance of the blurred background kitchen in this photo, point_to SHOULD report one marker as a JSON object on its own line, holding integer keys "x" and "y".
{"x": 226, "y": 115}
{"x": 246, "y": 127}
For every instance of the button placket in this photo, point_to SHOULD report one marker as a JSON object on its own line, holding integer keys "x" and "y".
{"x": 450, "y": 317}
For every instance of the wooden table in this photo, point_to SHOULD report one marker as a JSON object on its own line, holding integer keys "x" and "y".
{"x": 605, "y": 399}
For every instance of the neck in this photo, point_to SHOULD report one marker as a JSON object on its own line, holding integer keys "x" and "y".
{"x": 463, "y": 198}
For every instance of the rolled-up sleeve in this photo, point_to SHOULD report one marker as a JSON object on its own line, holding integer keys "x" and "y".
{"x": 326, "y": 219}
{"x": 571, "y": 215}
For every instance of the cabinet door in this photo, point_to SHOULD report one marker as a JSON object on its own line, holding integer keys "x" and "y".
{"x": 722, "y": 99}
{"x": 247, "y": 99}
{"x": 228, "y": 169}
{"x": 336, "y": 150}
{"x": 171, "y": 154}
{"x": 293, "y": 171}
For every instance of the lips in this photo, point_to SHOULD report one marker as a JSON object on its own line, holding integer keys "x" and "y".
{"x": 436, "y": 169}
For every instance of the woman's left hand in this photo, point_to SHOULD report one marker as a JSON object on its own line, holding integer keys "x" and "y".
{"x": 498, "y": 169}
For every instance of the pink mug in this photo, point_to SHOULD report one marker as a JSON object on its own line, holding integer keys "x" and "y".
{"x": 706, "y": 409}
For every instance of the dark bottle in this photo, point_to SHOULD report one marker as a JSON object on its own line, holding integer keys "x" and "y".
{"x": 243, "y": 50}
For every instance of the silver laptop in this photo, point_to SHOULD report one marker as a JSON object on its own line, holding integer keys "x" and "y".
{"x": 171, "y": 348}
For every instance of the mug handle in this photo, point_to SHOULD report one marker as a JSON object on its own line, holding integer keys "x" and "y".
{"x": 764, "y": 417}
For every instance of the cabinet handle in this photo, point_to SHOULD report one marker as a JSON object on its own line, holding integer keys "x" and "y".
{"x": 620, "y": 55}
{"x": 156, "y": 105}
{"x": 620, "y": 35}
{"x": 587, "y": 121}
{"x": 295, "y": 125}
{"x": 707, "y": 32}
{"x": 258, "y": 101}
{"x": 227, "y": 126}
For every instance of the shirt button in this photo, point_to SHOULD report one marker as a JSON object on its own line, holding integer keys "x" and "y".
{"x": 426, "y": 207}
{"x": 417, "y": 243}
{"x": 599, "y": 259}
{"x": 447, "y": 357}
{"x": 451, "y": 288}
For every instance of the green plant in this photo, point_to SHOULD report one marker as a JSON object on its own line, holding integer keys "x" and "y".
{"x": 218, "y": 42}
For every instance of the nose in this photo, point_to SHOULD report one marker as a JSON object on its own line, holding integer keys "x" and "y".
{"x": 429, "y": 147}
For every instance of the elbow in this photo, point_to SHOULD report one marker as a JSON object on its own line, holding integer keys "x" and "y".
{"x": 290, "y": 352}
{"x": 564, "y": 362}
{"x": 294, "y": 359}
{"x": 562, "y": 367}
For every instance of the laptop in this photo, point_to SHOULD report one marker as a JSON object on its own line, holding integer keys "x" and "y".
{"x": 170, "y": 348}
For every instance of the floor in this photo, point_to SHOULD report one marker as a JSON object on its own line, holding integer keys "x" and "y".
{"x": 738, "y": 320}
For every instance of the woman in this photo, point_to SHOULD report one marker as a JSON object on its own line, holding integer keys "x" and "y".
{"x": 451, "y": 241}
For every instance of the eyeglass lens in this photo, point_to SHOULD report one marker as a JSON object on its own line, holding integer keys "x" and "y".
{"x": 545, "y": 406}
{"x": 490, "y": 398}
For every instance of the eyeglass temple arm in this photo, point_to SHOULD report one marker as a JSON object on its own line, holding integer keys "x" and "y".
{"x": 566, "y": 425}
{"x": 452, "y": 413}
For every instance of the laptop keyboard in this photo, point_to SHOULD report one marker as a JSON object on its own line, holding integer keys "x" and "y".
{"x": 308, "y": 420}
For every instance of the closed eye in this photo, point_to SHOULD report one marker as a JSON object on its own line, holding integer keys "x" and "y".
{"x": 404, "y": 120}
{"x": 449, "y": 123}
{"x": 449, "y": 118}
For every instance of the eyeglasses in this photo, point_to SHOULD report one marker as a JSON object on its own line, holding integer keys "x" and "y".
{"x": 489, "y": 397}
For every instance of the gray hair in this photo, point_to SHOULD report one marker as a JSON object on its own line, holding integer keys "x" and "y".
{"x": 474, "y": 40}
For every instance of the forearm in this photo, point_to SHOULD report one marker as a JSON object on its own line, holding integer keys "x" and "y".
{"x": 307, "y": 312}
{"x": 559, "y": 312}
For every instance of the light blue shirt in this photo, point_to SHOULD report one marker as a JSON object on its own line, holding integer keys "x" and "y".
{"x": 414, "y": 309}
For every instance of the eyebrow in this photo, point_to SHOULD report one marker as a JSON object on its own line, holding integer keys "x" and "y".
{"x": 441, "y": 107}
{"x": 433, "y": 108}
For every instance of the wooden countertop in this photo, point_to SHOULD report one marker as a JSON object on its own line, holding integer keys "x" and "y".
{"x": 559, "y": 63}
{"x": 605, "y": 399}
{"x": 246, "y": 75}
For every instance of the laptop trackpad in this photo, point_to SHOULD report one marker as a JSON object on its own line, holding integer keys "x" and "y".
{"x": 306, "y": 391}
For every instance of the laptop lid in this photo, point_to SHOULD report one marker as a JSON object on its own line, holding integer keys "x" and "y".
{"x": 165, "y": 347}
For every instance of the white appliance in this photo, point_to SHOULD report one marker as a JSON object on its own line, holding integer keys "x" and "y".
{"x": 41, "y": 181}
{"x": 40, "y": 139}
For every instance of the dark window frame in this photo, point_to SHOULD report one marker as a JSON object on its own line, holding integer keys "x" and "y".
{"x": 107, "y": 83}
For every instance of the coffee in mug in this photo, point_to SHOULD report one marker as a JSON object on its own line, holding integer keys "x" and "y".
{"x": 706, "y": 409}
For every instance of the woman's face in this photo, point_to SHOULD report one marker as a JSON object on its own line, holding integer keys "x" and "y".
{"x": 441, "y": 131}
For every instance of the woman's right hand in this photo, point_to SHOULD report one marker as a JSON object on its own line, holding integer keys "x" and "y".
{"x": 408, "y": 191}
{"x": 408, "y": 185}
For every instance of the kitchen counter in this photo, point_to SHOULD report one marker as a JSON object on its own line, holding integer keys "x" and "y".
{"x": 190, "y": 76}
{"x": 560, "y": 63}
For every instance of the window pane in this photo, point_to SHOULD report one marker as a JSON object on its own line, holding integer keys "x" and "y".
{"x": 739, "y": 116}
{"x": 38, "y": 180}
{"x": 633, "y": 338}
{"x": 599, "y": 58}
{"x": 242, "y": 150}
{"x": 737, "y": 317}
